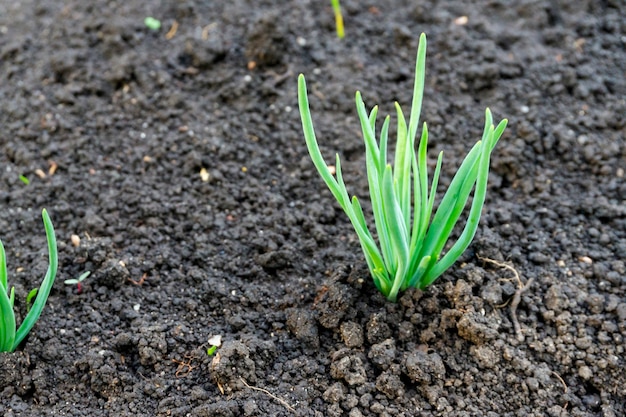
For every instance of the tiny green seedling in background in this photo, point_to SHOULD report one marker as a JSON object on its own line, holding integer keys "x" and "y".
{"x": 152, "y": 23}
{"x": 410, "y": 244}
{"x": 10, "y": 337}
{"x": 338, "y": 18}
{"x": 78, "y": 281}
{"x": 214, "y": 343}
{"x": 29, "y": 298}
{"x": 24, "y": 179}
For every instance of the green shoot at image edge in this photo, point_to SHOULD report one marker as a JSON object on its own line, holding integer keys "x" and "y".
{"x": 10, "y": 337}
{"x": 338, "y": 18}
{"x": 410, "y": 247}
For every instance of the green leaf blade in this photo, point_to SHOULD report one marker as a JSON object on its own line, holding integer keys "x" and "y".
{"x": 7, "y": 318}
{"x": 46, "y": 285}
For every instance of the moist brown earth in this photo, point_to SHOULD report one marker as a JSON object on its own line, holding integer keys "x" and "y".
{"x": 177, "y": 157}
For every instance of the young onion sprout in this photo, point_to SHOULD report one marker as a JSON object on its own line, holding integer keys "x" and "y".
{"x": 10, "y": 337}
{"x": 411, "y": 249}
{"x": 338, "y": 18}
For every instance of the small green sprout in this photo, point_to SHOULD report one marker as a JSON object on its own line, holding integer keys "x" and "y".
{"x": 214, "y": 343}
{"x": 410, "y": 244}
{"x": 78, "y": 281}
{"x": 10, "y": 338}
{"x": 24, "y": 179}
{"x": 338, "y": 18}
{"x": 29, "y": 298}
{"x": 152, "y": 23}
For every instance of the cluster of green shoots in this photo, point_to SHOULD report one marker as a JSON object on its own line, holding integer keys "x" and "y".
{"x": 10, "y": 337}
{"x": 410, "y": 249}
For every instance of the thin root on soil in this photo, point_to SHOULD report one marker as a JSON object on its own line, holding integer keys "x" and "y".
{"x": 517, "y": 297}
{"x": 140, "y": 282}
{"x": 562, "y": 382}
{"x": 184, "y": 367}
{"x": 280, "y": 400}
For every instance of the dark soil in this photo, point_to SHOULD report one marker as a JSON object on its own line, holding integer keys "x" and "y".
{"x": 261, "y": 254}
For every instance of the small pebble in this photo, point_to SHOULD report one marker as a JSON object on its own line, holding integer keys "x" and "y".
{"x": 585, "y": 372}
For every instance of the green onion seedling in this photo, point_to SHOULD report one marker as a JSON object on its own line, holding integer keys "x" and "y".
{"x": 10, "y": 337}
{"x": 78, "y": 281}
{"x": 411, "y": 242}
{"x": 24, "y": 179}
{"x": 338, "y": 18}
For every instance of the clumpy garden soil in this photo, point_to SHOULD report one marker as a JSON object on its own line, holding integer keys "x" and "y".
{"x": 177, "y": 157}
